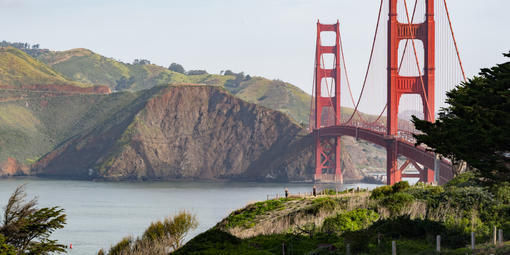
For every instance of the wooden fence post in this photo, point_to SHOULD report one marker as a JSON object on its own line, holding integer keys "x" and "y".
{"x": 472, "y": 240}
{"x": 494, "y": 236}
{"x": 500, "y": 237}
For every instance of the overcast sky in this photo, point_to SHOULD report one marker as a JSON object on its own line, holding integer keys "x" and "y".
{"x": 270, "y": 38}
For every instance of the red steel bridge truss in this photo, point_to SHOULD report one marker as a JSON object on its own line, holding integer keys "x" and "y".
{"x": 408, "y": 73}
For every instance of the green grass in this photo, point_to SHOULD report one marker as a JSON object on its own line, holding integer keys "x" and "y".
{"x": 246, "y": 217}
{"x": 18, "y": 68}
{"x": 324, "y": 203}
{"x": 36, "y": 125}
{"x": 215, "y": 241}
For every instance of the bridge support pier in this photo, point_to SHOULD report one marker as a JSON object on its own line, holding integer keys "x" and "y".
{"x": 393, "y": 172}
{"x": 328, "y": 159}
{"x": 427, "y": 175}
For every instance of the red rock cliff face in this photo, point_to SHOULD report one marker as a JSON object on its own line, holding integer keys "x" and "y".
{"x": 11, "y": 167}
{"x": 199, "y": 132}
{"x": 188, "y": 132}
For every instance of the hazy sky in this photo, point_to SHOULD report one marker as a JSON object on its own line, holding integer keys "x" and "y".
{"x": 271, "y": 38}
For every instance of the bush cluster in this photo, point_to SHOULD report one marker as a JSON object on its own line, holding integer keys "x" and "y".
{"x": 397, "y": 202}
{"x": 350, "y": 221}
{"x": 158, "y": 238}
{"x": 384, "y": 191}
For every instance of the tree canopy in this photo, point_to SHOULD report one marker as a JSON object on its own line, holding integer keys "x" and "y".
{"x": 141, "y": 62}
{"x": 177, "y": 68}
{"x": 27, "y": 228}
{"x": 475, "y": 127}
{"x": 196, "y": 72}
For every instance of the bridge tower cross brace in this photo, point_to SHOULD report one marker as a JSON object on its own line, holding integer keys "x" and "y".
{"x": 327, "y": 149}
{"x": 399, "y": 85}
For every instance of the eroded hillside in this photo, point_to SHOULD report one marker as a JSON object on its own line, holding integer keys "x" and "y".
{"x": 193, "y": 132}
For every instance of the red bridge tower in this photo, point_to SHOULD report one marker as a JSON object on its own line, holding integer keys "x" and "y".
{"x": 327, "y": 149}
{"x": 398, "y": 85}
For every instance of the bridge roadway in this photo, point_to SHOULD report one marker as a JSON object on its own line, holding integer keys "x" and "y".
{"x": 405, "y": 147}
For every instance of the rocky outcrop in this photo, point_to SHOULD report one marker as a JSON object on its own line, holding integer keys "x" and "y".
{"x": 188, "y": 132}
{"x": 11, "y": 167}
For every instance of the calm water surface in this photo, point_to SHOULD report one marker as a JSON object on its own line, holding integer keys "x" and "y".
{"x": 99, "y": 214}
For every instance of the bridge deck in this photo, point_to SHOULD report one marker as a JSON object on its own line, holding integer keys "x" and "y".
{"x": 405, "y": 147}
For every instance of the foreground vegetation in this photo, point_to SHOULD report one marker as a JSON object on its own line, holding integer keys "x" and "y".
{"x": 160, "y": 237}
{"x": 26, "y": 229}
{"x": 411, "y": 215}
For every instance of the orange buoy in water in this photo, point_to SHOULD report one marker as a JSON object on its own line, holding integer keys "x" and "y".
{"x": 70, "y": 246}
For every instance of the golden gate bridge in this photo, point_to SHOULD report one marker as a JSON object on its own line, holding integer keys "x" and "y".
{"x": 414, "y": 60}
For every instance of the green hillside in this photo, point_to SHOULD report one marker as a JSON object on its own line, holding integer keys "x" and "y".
{"x": 85, "y": 66}
{"x": 32, "y": 124}
{"x": 18, "y": 69}
{"x": 275, "y": 94}
{"x": 45, "y": 120}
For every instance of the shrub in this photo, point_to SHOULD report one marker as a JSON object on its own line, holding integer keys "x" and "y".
{"x": 424, "y": 192}
{"x": 387, "y": 190}
{"x": 380, "y": 192}
{"x": 176, "y": 68}
{"x": 196, "y": 72}
{"x": 407, "y": 228}
{"x": 158, "y": 236}
{"x": 395, "y": 203}
{"x": 121, "y": 247}
{"x": 322, "y": 204}
{"x": 155, "y": 231}
{"x": 400, "y": 186}
{"x": 467, "y": 198}
{"x": 350, "y": 221}
{"x": 501, "y": 192}
{"x": 463, "y": 180}
{"x": 178, "y": 227}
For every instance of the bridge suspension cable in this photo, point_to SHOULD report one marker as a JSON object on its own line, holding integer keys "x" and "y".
{"x": 374, "y": 75}
{"x": 454, "y": 40}
{"x": 323, "y": 66}
{"x": 369, "y": 62}
{"x": 417, "y": 60}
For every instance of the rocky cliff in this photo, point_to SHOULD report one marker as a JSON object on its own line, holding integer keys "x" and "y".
{"x": 188, "y": 132}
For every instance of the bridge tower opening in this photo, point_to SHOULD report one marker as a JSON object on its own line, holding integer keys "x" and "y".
{"x": 327, "y": 107}
{"x": 398, "y": 85}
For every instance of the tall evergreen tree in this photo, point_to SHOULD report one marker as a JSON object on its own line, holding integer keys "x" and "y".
{"x": 475, "y": 127}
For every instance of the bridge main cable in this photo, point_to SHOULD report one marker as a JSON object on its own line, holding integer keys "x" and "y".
{"x": 369, "y": 63}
